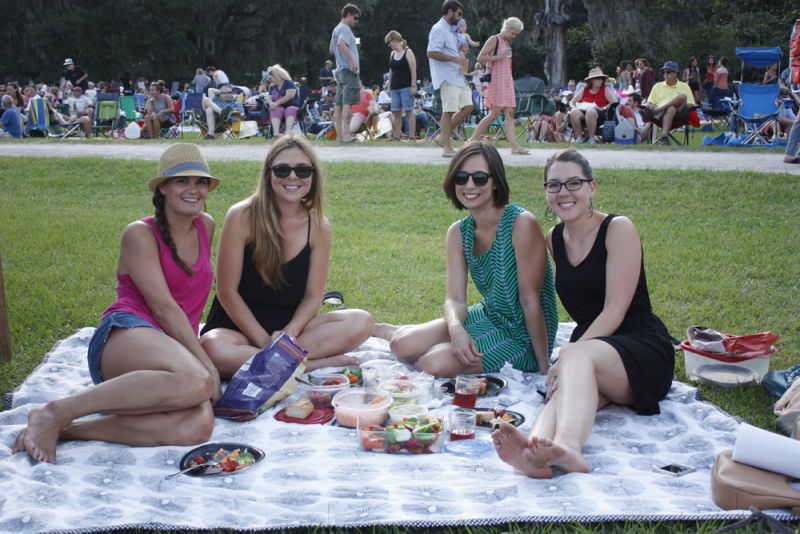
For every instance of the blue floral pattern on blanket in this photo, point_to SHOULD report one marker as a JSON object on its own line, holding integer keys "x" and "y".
{"x": 318, "y": 475}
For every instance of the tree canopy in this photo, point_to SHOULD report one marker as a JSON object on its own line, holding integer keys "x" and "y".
{"x": 169, "y": 39}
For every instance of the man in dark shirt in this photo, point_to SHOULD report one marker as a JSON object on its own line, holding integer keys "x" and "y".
{"x": 326, "y": 74}
{"x": 75, "y": 74}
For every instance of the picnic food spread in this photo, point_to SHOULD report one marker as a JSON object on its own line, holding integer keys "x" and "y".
{"x": 227, "y": 461}
{"x": 423, "y": 435}
{"x": 300, "y": 409}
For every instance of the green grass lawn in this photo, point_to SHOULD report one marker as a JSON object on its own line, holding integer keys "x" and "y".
{"x": 721, "y": 249}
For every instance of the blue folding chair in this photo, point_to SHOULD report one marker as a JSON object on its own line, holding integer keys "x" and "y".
{"x": 38, "y": 118}
{"x": 758, "y": 110}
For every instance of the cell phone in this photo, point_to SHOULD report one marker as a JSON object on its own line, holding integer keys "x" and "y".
{"x": 674, "y": 470}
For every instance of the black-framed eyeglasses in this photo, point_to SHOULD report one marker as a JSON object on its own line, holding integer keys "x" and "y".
{"x": 573, "y": 184}
{"x": 282, "y": 170}
{"x": 479, "y": 178}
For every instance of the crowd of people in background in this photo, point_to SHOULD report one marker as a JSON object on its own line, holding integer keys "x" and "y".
{"x": 459, "y": 90}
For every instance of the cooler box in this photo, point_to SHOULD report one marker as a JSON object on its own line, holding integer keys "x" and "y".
{"x": 624, "y": 134}
{"x": 721, "y": 369}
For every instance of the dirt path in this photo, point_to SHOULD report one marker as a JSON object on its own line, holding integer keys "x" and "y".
{"x": 746, "y": 159}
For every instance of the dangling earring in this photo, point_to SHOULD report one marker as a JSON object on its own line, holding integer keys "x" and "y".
{"x": 591, "y": 208}
{"x": 549, "y": 214}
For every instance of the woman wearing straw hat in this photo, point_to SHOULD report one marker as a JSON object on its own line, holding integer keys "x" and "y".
{"x": 154, "y": 383}
{"x": 272, "y": 266}
{"x": 590, "y": 105}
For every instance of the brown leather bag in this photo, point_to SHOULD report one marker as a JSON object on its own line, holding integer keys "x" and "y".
{"x": 737, "y": 486}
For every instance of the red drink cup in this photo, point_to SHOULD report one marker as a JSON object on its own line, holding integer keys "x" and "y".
{"x": 466, "y": 391}
{"x": 462, "y": 424}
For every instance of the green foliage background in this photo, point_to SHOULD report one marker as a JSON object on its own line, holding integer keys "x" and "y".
{"x": 169, "y": 39}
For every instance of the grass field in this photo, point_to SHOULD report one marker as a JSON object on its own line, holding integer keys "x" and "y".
{"x": 721, "y": 249}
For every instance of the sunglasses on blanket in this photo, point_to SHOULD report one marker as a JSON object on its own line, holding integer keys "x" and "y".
{"x": 282, "y": 170}
{"x": 479, "y": 178}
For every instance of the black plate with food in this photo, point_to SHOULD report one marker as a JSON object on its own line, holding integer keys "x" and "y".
{"x": 223, "y": 459}
{"x": 492, "y": 417}
{"x": 494, "y": 385}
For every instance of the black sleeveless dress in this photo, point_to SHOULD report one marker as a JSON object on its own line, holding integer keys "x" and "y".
{"x": 642, "y": 340}
{"x": 273, "y": 308}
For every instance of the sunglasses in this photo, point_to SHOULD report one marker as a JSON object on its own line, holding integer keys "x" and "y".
{"x": 479, "y": 178}
{"x": 356, "y": 17}
{"x": 283, "y": 170}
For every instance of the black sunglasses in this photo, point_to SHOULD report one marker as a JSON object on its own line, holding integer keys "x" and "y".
{"x": 479, "y": 178}
{"x": 283, "y": 170}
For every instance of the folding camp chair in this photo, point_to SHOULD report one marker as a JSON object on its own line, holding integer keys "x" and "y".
{"x": 38, "y": 117}
{"x": 174, "y": 131}
{"x": 141, "y": 102}
{"x": 192, "y": 112}
{"x": 127, "y": 105}
{"x": 106, "y": 113}
{"x": 314, "y": 123}
{"x": 758, "y": 111}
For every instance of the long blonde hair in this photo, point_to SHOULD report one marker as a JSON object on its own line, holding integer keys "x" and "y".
{"x": 265, "y": 228}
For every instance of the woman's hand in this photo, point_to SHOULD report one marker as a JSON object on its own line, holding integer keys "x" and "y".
{"x": 464, "y": 347}
{"x": 412, "y": 91}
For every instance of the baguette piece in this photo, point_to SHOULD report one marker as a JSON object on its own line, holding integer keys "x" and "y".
{"x": 300, "y": 409}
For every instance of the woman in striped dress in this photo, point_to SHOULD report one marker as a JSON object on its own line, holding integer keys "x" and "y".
{"x": 501, "y": 246}
{"x": 500, "y": 96}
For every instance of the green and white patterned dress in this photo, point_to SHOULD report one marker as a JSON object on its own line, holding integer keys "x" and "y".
{"x": 497, "y": 324}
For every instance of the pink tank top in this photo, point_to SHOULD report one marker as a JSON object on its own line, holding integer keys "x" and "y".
{"x": 190, "y": 291}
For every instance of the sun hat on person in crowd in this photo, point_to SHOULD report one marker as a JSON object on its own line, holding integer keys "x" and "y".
{"x": 671, "y": 65}
{"x": 595, "y": 72}
{"x": 182, "y": 159}
{"x": 68, "y": 62}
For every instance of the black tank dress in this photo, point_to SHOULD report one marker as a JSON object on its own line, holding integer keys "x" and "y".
{"x": 273, "y": 308}
{"x": 642, "y": 340}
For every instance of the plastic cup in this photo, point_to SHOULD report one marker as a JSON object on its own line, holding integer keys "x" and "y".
{"x": 466, "y": 391}
{"x": 462, "y": 424}
{"x": 425, "y": 383}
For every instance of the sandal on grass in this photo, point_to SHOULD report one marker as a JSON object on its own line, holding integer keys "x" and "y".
{"x": 333, "y": 298}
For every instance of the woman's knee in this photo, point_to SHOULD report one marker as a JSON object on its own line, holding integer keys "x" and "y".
{"x": 196, "y": 425}
{"x": 360, "y": 323}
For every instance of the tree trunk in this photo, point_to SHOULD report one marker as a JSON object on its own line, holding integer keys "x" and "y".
{"x": 552, "y": 24}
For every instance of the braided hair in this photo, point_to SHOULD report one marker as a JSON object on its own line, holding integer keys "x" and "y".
{"x": 163, "y": 227}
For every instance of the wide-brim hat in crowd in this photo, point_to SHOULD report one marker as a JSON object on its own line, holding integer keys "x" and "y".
{"x": 182, "y": 159}
{"x": 68, "y": 61}
{"x": 596, "y": 72}
{"x": 671, "y": 65}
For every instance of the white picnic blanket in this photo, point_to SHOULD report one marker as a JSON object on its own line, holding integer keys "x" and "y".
{"x": 316, "y": 475}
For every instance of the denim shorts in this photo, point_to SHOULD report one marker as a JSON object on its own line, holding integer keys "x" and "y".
{"x": 112, "y": 320}
{"x": 402, "y": 100}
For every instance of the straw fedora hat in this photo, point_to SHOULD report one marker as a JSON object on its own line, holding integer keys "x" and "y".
{"x": 182, "y": 159}
{"x": 595, "y": 72}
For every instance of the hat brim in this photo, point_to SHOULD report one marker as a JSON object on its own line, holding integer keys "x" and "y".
{"x": 588, "y": 78}
{"x": 158, "y": 180}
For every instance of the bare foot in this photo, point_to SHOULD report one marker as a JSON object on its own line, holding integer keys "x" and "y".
{"x": 41, "y": 436}
{"x": 546, "y": 453}
{"x": 331, "y": 361}
{"x": 384, "y": 330}
{"x": 511, "y": 444}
